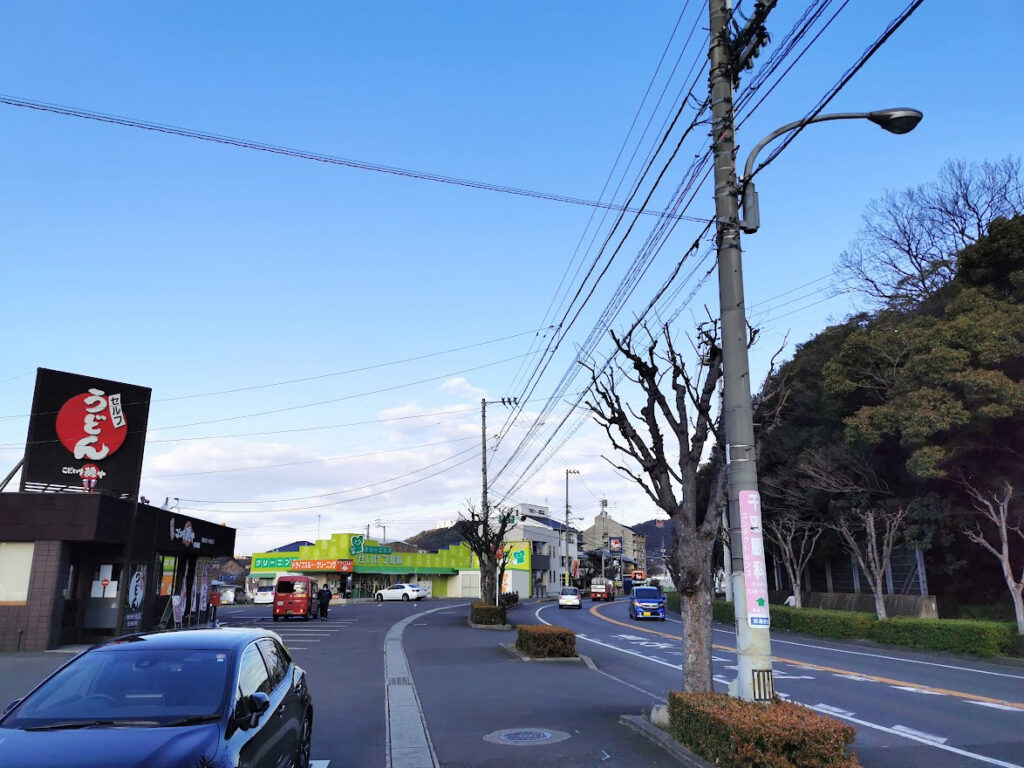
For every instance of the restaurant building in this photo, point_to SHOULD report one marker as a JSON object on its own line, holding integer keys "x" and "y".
{"x": 359, "y": 566}
{"x": 83, "y": 556}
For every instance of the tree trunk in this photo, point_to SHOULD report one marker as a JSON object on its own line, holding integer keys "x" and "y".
{"x": 695, "y": 594}
{"x": 798, "y": 601}
{"x": 879, "y": 599}
{"x": 1018, "y": 608}
{"x": 487, "y": 582}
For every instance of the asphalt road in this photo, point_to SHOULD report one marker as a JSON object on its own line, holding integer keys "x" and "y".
{"x": 909, "y": 709}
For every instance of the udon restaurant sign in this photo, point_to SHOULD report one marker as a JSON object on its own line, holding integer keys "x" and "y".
{"x": 85, "y": 434}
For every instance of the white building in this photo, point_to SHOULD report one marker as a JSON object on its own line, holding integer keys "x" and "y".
{"x": 554, "y": 547}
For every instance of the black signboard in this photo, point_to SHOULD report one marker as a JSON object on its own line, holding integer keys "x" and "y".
{"x": 85, "y": 434}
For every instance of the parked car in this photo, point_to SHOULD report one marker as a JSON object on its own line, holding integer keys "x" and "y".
{"x": 226, "y": 592}
{"x": 264, "y": 595}
{"x": 400, "y": 592}
{"x": 213, "y": 697}
{"x": 646, "y": 603}
{"x": 569, "y": 597}
{"x": 295, "y": 596}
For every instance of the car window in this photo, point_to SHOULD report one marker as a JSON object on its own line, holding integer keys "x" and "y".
{"x": 291, "y": 587}
{"x": 252, "y": 672}
{"x": 570, "y": 591}
{"x": 132, "y": 684}
{"x": 646, "y": 593}
{"x": 277, "y": 662}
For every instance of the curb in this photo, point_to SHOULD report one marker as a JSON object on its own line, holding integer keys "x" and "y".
{"x": 511, "y": 649}
{"x": 651, "y": 732}
{"x": 502, "y": 627}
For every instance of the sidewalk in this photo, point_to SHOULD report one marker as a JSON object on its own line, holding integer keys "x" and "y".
{"x": 483, "y": 707}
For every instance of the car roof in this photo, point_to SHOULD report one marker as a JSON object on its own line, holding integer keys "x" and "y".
{"x": 221, "y": 639}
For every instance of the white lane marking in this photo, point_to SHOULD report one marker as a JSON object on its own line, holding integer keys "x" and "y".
{"x": 296, "y": 648}
{"x": 911, "y": 689}
{"x": 628, "y": 652}
{"x": 922, "y": 734}
{"x": 319, "y": 763}
{"x": 993, "y": 705}
{"x": 834, "y": 710}
{"x": 718, "y": 658}
{"x": 857, "y": 677}
{"x": 912, "y": 737}
{"x": 778, "y": 674}
{"x": 776, "y": 641}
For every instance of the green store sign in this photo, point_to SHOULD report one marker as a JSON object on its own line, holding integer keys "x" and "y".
{"x": 273, "y": 562}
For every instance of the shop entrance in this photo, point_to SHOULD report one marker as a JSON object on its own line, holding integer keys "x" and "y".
{"x": 92, "y": 585}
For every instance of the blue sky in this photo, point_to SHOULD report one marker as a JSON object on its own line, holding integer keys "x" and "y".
{"x": 193, "y": 268}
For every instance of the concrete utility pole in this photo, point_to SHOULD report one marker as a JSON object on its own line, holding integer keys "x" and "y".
{"x": 753, "y": 643}
{"x": 568, "y": 557}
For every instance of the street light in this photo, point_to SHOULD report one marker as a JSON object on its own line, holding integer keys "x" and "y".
{"x": 750, "y": 587}
{"x": 899, "y": 121}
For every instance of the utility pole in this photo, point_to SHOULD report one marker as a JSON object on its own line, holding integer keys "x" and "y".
{"x": 568, "y": 557}
{"x": 728, "y": 57}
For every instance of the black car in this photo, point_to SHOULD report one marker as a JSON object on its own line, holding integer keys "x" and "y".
{"x": 201, "y": 697}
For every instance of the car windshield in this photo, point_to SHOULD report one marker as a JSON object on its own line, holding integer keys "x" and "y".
{"x": 646, "y": 593}
{"x": 570, "y": 591}
{"x": 139, "y": 686}
{"x": 291, "y": 587}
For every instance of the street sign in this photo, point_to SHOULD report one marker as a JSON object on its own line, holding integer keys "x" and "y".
{"x": 615, "y": 545}
{"x": 755, "y": 577}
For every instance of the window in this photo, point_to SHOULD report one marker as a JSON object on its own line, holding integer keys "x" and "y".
{"x": 277, "y": 661}
{"x": 15, "y": 570}
{"x": 252, "y": 673}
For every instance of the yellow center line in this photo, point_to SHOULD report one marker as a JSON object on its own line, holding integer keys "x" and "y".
{"x": 835, "y": 670}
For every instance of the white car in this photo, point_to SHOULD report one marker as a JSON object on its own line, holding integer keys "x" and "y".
{"x": 400, "y": 592}
{"x": 264, "y": 595}
{"x": 569, "y": 597}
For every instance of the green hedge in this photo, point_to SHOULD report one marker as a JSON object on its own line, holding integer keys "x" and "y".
{"x": 984, "y": 638}
{"x": 732, "y": 733}
{"x": 485, "y": 613}
{"x": 543, "y": 642}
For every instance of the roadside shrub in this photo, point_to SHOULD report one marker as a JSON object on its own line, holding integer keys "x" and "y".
{"x": 732, "y": 733}
{"x": 723, "y": 612}
{"x": 672, "y": 602}
{"x": 985, "y": 638}
{"x": 485, "y": 613}
{"x": 542, "y": 642}
{"x": 822, "y": 623}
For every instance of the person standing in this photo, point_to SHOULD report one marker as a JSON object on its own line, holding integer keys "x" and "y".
{"x": 324, "y": 596}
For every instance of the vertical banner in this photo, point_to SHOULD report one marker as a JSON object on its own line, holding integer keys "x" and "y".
{"x": 204, "y": 594}
{"x": 195, "y": 590}
{"x": 183, "y": 596}
{"x": 755, "y": 577}
{"x": 134, "y": 600}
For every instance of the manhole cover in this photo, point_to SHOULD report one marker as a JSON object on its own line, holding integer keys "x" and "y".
{"x": 526, "y": 737}
{"x": 522, "y": 737}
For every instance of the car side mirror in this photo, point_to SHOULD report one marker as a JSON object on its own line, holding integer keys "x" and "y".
{"x": 12, "y": 705}
{"x": 252, "y": 708}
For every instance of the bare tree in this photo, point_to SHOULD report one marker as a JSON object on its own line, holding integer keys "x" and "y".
{"x": 485, "y": 533}
{"x": 907, "y": 245}
{"x": 667, "y": 444}
{"x": 871, "y": 521}
{"x": 794, "y": 536}
{"x": 993, "y": 509}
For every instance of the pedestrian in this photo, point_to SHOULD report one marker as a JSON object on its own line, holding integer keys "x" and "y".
{"x": 324, "y": 596}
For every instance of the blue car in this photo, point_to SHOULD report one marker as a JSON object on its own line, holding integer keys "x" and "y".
{"x": 202, "y": 697}
{"x": 646, "y": 603}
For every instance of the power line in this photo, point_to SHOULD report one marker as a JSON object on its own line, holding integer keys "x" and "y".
{"x": 190, "y": 133}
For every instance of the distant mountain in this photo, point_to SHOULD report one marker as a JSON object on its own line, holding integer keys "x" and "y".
{"x": 435, "y": 539}
{"x": 656, "y": 537}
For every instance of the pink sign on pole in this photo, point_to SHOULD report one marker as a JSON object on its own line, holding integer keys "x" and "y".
{"x": 755, "y": 577}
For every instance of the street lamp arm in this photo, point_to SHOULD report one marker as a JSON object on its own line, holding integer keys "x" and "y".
{"x": 898, "y": 121}
{"x": 748, "y": 168}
